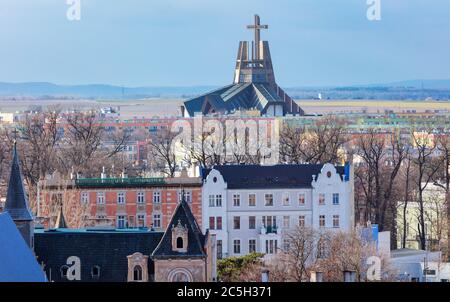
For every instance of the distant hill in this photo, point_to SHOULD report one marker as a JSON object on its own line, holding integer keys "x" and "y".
{"x": 44, "y": 89}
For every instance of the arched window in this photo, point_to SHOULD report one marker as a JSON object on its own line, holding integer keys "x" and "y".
{"x": 180, "y": 275}
{"x": 137, "y": 273}
{"x": 179, "y": 243}
{"x": 95, "y": 271}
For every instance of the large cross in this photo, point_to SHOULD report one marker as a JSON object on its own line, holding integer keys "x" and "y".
{"x": 257, "y": 27}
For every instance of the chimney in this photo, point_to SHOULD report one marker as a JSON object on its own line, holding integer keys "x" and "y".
{"x": 103, "y": 174}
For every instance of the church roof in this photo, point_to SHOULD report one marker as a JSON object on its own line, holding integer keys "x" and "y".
{"x": 107, "y": 249}
{"x": 17, "y": 262}
{"x": 241, "y": 96}
{"x": 16, "y": 199}
{"x": 196, "y": 240}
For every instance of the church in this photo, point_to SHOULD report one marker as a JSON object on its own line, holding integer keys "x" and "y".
{"x": 180, "y": 253}
{"x": 254, "y": 87}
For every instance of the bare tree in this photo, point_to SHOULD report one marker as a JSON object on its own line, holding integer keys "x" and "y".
{"x": 426, "y": 167}
{"x": 161, "y": 148}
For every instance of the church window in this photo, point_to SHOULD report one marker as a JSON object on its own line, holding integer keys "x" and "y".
{"x": 137, "y": 273}
{"x": 179, "y": 243}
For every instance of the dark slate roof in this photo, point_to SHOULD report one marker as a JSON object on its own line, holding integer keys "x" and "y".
{"x": 17, "y": 262}
{"x": 16, "y": 199}
{"x": 107, "y": 249}
{"x": 261, "y": 177}
{"x": 235, "y": 97}
{"x": 196, "y": 240}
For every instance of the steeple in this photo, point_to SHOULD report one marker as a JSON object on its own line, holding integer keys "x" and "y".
{"x": 60, "y": 220}
{"x": 17, "y": 202}
{"x": 257, "y": 68}
{"x": 16, "y": 199}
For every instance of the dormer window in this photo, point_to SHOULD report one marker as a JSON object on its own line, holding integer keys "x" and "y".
{"x": 137, "y": 267}
{"x": 179, "y": 238}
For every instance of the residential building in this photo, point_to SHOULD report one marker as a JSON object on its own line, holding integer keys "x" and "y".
{"x": 118, "y": 202}
{"x": 250, "y": 208}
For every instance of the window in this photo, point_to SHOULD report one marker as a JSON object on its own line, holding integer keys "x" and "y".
{"x": 236, "y": 200}
{"x": 101, "y": 198}
{"x": 251, "y": 222}
{"x": 95, "y": 271}
{"x": 121, "y": 197}
{"x": 251, "y": 200}
{"x": 212, "y": 223}
{"x": 187, "y": 196}
{"x": 321, "y": 199}
{"x": 141, "y": 220}
{"x": 301, "y": 199}
{"x": 121, "y": 221}
{"x": 335, "y": 198}
{"x": 252, "y": 246}
{"x": 212, "y": 201}
{"x": 237, "y": 246}
{"x": 219, "y": 222}
{"x": 219, "y": 249}
{"x": 218, "y": 200}
{"x": 157, "y": 221}
{"x": 137, "y": 273}
{"x": 286, "y": 222}
{"x": 156, "y": 197}
{"x": 268, "y": 200}
{"x": 84, "y": 197}
{"x": 271, "y": 246}
{"x": 335, "y": 221}
{"x": 301, "y": 221}
{"x": 322, "y": 221}
{"x": 269, "y": 221}
{"x": 179, "y": 243}
{"x": 140, "y": 197}
{"x": 285, "y": 199}
{"x": 286, "y": 244}
{"x": 236, "y": 222}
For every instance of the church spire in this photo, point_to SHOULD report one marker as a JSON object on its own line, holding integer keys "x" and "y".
{"x": 16, "y": 199}
{"x": 60, "y": 220}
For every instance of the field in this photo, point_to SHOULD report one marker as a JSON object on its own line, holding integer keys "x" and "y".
{"x": 171, "y": 107}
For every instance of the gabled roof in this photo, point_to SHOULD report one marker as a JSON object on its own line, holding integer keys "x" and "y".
{"x": 196, "y": 240}
{"x": 261, "y": 177}
{"x": 17, "y": 261}
{"x": 16, "y": 199}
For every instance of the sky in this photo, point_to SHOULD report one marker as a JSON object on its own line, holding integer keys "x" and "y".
{"x": 194, "y": 42}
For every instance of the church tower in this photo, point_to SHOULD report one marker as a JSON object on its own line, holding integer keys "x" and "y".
{"x": 17, "y": 202}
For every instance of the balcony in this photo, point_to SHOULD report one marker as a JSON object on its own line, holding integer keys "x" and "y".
{"x": 269, "y": 230}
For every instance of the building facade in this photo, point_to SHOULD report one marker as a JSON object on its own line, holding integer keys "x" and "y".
{"x": 250, "y": 208}
{"x": 117, "y": 202}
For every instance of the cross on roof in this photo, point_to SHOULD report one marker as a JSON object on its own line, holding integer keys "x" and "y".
{"x": 257, "y": 28}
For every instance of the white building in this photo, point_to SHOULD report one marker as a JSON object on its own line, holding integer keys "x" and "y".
{"x": 249, "y": 208}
